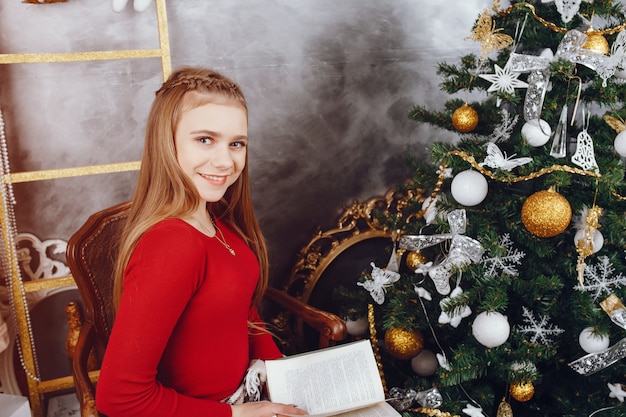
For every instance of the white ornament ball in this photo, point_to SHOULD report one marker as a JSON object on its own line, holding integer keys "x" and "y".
{"x": 598, "y": 239}
{"x": 536, "y": 133}
{"x": 620, "y": 143}
{"x": 591, "y": 342}
{"x": 620, "y": 73}
{"x": 425, "y": 363}
{"x": 358, "y": 327}
{"x": 491, "y": 329}
{"x": 469, "y": 187}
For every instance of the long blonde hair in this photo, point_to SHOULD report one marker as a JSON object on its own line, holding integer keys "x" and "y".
{"x": 164, "y": 191}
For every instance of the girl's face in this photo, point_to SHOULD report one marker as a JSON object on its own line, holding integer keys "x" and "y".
{"x": 211, "y": 144}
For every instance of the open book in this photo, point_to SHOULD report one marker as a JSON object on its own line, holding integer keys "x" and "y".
{"x": 340, "y": 380}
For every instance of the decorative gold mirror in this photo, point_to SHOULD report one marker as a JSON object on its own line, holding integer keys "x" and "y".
{"x": 337, "y": 257}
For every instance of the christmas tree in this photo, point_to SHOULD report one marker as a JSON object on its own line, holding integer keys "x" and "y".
{"x": 504, "y": 292}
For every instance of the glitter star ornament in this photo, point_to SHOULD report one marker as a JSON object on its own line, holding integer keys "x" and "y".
{"x": 504, "y": 80}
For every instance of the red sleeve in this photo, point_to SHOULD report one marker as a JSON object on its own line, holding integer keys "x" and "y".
{"x": 262, "y": 345}
{"x": 160, "y": 279}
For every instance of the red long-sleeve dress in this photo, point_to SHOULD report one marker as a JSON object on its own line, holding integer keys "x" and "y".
{"x": 180, "y": 342}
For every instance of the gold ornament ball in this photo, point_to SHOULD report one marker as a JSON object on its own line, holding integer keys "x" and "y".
{"x": 415, "y": 259}
{"x": 403, "y": 344}
{"x": 597, "y": 43}
{"x": 546, "y": 213}
{"x": 465, "y": 119}
{"x": 523, "y": 391}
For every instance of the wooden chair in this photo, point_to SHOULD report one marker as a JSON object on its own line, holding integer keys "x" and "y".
{"x": 91, "y": 253}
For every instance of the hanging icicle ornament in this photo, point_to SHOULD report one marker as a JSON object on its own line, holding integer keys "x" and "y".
{"x": 559, "y": 142}
{"x": 584, "y": 246}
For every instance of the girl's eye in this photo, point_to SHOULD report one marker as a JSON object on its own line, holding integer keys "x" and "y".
{"x": 205, "y": 139}
{"x": 239, "y": 144}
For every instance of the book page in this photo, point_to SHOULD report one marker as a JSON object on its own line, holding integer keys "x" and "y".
{"x": 327, "y": 381}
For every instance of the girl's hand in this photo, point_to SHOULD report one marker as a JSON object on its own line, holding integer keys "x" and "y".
{"x": 266, "y": 409}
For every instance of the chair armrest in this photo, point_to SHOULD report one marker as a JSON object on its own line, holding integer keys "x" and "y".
{"x": 330, "y": 326}
{"x": 85, "y": 390}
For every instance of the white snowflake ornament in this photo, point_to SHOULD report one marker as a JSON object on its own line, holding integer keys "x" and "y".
{"x": 600, "y": 279}
{"x": 540, "y": 330}
{"x": 505, "y": 264}
{"x": 503, "y": 80}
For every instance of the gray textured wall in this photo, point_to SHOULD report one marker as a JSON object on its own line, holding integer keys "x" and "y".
{"x": 329, "y": 85}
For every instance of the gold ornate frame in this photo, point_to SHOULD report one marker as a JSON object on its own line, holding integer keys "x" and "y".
{"x": 357, "y": 223}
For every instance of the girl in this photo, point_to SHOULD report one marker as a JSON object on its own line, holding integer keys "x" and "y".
{"x": 193, "y": 264}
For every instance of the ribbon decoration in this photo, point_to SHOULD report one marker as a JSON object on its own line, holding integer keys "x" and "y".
{"x": 402, "y": 398}
{"x": 463, "y": 250}
{"x": 594, "y": 362}
{"x": 570, "y": 49}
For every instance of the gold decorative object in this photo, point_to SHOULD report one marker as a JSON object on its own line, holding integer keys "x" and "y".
{"x": 597, "y": 43}
{"x": 546, "y": 213}
{"x": 465, "y": 118}
{"x": 611, "y": 303}
{"x": 414, "y": 259}
{"x": 504, "y": 409}
{"x": 486, "y": 33}
{"x": 433, "y": 412}
{"x": 403, "y": 344}
{"x": 522, "y": 391}
{"x": 358, "y": 223}
{"x": 584, "y": 246}
{"x": 550, "y": 25}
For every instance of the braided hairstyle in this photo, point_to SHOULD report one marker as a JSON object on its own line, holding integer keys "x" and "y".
{"x": 164, "y": 191}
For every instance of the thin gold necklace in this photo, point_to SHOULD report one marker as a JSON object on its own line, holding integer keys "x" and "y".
{"x": 223, "y": 239}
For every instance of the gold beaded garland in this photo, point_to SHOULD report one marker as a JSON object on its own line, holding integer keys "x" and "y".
{"x": 546, "y": 213}
{"x": 522, "y": 391}
{"x": 465, "y": 118}
{"x": 403, "y": 344}
{"x": 414, "y": 259}
{"x": 597, "y": 43}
